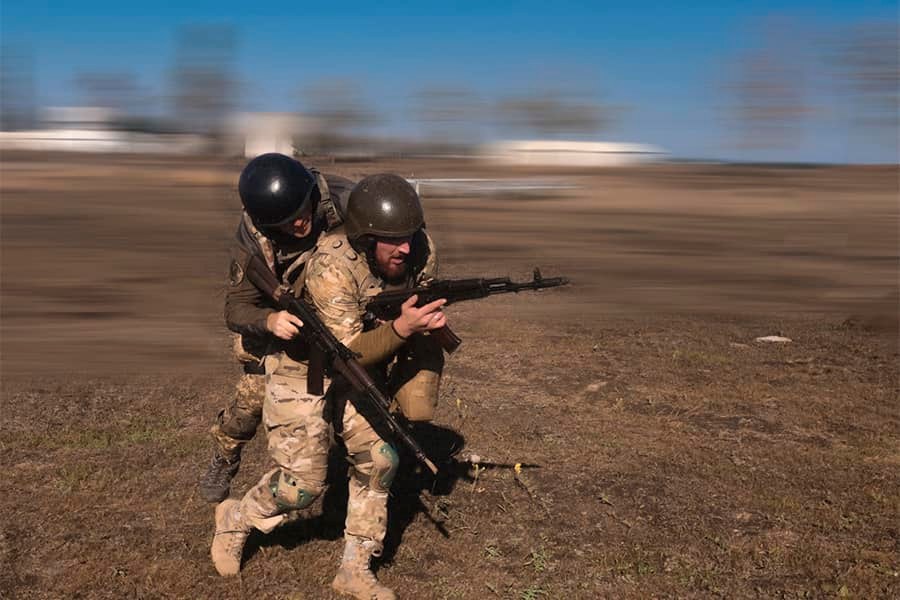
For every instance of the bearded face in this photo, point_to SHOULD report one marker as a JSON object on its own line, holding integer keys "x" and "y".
{"x": 391, "y": 256}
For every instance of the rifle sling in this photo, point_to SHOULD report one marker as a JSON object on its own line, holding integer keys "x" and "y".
{"x": 315, "y": 377}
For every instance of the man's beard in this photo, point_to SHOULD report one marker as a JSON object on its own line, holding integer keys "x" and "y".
{"x": 394, "y": 274}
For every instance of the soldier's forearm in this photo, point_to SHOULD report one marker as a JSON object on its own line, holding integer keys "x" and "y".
{"x": 247, "y": 320}
{"x": 246, "y": 309}
{"x": 376, "y": 345}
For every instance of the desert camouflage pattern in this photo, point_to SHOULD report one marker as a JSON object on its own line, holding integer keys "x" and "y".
{"x": 339, "y": 284}
{"x": 299, "y": 438}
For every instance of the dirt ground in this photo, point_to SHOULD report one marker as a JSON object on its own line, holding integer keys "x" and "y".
{"x": 664, "y": 453}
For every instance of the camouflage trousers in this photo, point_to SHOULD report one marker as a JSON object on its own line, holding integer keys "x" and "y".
{"x": 299, "y": 438}
{"x": 237, "y": 423}
{"x": 414, "y": 382}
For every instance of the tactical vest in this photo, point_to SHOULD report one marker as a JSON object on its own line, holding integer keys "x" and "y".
{"x": 335, "y": 243}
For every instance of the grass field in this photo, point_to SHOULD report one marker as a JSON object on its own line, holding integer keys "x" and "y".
{"x": 663, "y": 451}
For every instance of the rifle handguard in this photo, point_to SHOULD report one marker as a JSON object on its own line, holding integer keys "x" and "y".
{"x": 388, "y": 305}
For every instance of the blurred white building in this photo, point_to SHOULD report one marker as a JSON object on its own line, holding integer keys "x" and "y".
{"x": 94, "y": 129}
{"x": 259, "y": 133}
{"x": 567, "y": 153}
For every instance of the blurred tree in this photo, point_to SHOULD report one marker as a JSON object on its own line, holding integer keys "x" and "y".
{"x": 116, "y": 91}
{"x": 450, "y": 115}
{"x": 553, "y": 113}
{"x": 340, "y": 112}
{"x": 769, "y": 88}
{"x": 204, "y": 88}
{"x": 867, "y": 66}
{"x": 17, "y": 93}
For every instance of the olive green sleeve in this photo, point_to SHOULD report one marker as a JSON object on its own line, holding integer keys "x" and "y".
{"x": 246, "y": 308}
{"x": 376, "y": 345}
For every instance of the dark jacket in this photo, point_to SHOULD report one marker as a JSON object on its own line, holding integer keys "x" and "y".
{"x": 246, "y": 307}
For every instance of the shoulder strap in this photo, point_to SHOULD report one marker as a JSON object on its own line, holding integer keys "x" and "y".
{"x": 335, "y": 192}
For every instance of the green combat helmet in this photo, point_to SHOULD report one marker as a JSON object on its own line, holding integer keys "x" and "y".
{"x": 383, "y": 206}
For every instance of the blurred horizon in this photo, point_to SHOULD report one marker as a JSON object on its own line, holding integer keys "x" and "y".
{"x": 797, "y": 81}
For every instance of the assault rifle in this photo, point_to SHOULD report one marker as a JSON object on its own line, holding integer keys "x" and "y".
{"x": 327, "y": 351}
{"x": 387, "y": 305}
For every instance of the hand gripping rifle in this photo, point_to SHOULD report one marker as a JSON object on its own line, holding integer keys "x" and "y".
{"x": 386, "y": 305}
{"x": 327, "y": 350}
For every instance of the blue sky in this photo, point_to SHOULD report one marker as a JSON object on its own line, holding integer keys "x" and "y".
{"x": 664, "y": 64}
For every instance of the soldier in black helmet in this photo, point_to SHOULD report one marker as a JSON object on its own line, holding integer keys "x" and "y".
{"x": 382, "y": 244}
{"x": 286, "y": 208}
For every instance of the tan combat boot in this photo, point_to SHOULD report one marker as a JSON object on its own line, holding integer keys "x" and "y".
{"x": 228, "y": 542}
{"x": 355, "y": 578}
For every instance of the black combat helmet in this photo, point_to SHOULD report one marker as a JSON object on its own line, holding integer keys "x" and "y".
{"x": 275, "y": 189}
{"x": 383, "y": 206}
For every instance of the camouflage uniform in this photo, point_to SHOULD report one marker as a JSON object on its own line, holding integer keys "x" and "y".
{"x": 338, "y": 283}
{"x": 236, "y": 424}
{"x": 246, "y": 312}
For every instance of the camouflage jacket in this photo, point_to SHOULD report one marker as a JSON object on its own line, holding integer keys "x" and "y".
{"x": 339, "y": 282}
{"x": 246, "y": 307}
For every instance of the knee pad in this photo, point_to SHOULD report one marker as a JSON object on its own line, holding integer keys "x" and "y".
{"x": 288, "y": 492}
{"x": 418, "y": 397}
{"x": 375, "y": 468}
{"x": 416, "y": 377}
